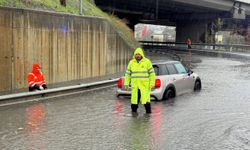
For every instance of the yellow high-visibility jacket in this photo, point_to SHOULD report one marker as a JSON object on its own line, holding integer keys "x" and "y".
{"x": 141, "y": 76}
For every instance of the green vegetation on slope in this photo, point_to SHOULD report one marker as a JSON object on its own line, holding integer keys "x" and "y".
{"x": 89, "y": 9}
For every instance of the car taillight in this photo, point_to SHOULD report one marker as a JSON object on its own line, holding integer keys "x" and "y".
{"x": 119, "y": 83}
{"x": 157, "y": 83}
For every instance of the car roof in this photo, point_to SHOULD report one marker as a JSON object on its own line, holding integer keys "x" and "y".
{"x": 157, "y": 62}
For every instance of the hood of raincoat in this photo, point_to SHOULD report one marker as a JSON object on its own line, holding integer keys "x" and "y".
{"x": 139, "y": 51}
{"x": 35, "y": 67}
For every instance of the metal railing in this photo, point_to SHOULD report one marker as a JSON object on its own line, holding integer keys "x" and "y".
{"x": 200, "y": 46}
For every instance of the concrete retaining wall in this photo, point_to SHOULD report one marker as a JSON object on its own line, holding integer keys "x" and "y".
{"x": 68, "y": 47}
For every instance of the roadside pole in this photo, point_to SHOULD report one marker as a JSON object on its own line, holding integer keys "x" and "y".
{"x": 80, "y": 7}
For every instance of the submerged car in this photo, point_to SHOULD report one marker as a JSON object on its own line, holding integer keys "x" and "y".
{"x": 172, "y": 79}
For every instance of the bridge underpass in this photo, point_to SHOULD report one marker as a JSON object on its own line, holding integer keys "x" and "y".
{"x": 195, "y": 19}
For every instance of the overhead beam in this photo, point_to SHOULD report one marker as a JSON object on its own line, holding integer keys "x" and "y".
{"x": 223, "y": 5}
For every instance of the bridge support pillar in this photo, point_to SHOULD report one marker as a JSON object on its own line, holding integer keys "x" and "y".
{"x": 194, "y": 30}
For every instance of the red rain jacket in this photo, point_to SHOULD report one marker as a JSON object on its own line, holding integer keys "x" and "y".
{"x": 36, "y": 76}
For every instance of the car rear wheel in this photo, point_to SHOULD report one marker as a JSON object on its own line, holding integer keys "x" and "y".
{"x": 197, "y": 85}
{"x": 169, "y": 93}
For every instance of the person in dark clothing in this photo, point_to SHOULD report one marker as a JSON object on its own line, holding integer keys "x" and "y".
{"x": 189, "y": 43}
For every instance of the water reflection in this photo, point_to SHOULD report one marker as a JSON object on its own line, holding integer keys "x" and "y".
{"x": 143, "y": 131}
{"x": 118, "y": 106}
{"x": 35, "y": 116}
{"x": 140, "y": 127}
{"x": 139, "y": 133}
{"x": 156, "y": 125}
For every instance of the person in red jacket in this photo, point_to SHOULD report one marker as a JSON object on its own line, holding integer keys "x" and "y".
{"x": 36, "y": 79}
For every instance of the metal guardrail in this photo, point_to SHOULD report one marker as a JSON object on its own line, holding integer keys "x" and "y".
{"x": 204, "y": 46}
{"x": 30, "y": 95}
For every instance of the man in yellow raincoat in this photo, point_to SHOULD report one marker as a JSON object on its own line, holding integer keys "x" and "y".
{"x": 140, "y": 74}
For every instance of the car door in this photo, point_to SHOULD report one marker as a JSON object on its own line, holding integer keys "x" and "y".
{"x": 186, "y": 79}
{"x": 175, "y": 78}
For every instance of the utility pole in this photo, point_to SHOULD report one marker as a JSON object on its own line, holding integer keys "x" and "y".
{"x": 80, "y": 7}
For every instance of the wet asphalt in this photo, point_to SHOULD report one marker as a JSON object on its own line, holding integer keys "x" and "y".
{"x": 216, "y": 118}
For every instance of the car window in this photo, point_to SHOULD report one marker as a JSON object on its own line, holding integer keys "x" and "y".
{"x": 171, "y": 69}
{"x": 163, "y": 70}
{"x": 180, "y": 68}
{"x": 157, "y": 69}
{"x": 160, "y": 69}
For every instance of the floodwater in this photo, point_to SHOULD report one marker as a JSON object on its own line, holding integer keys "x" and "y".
{"x": 217, "y": 118}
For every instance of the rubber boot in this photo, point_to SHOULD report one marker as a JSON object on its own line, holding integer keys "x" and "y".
{"x": 134, "y": 107}
{"x": 147, "y": 108}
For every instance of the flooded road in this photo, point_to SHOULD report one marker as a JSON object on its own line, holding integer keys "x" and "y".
{"x": 217, "y": 118}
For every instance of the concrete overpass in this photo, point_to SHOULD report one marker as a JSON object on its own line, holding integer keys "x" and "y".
{"x": 193, "y": 18}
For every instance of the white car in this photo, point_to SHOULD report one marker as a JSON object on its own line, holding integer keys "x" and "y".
{"x": 172, "y": 79}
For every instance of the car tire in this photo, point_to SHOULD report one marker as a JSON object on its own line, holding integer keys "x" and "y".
{"x": 197, "y": 85}
{"x": 169, "y": 93}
